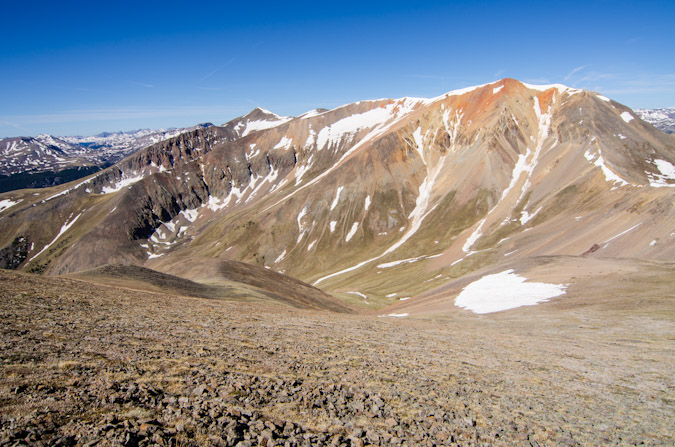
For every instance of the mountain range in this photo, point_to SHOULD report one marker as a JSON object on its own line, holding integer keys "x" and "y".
{"x": 389, "y": 202}
{"x": 46, "y": 160}
{"x": 662, "y": 119}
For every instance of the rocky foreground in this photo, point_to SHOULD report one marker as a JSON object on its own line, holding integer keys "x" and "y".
{"x": 85, "y": 364}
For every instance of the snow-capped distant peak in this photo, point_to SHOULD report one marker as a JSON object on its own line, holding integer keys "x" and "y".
{"x": 49, "y": 153}
{"x": 267, "y": 112}
{"x": 258, "y": 119}
{"x": 663, "y": 119}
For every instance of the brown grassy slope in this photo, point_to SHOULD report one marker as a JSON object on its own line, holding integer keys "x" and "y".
{"x": 83, "y": 363}
{"x": 288, "y": 289}
{"x": 241, "y": 282}
{"x": 141, "y": 278}
{"x": 636, "y": 287}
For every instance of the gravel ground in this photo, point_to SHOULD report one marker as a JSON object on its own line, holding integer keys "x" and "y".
{"x": 86, "y": 364}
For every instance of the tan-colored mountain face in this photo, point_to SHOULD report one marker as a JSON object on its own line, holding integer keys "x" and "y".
{"x": 373, "y": 201}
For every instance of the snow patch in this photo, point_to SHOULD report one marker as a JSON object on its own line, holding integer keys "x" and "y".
{"x": 666, "y": 168}
{"x": 215, "y": 204}
{"x": 561, "y": 88}
{"x": 122, "y": 183}
{"x": 503, "y": 291}
{"x": 496, "y": 90}
{"x": 251, "y": 152}
{"x": 518, "y": 169}
{"x": 256, "y": 187}
{"x": 63, "y": 229}
{"x": 610, "y": 176}
{"x": 604, "y": 98}
{"x": 588, "y": 156}
{"x": 7, "y": 203}
{"x": 544, "y": 127}
{"x": 66, "y": 191}
{"x": 667, "y": 171}
{"x": 394, "y": 315}
{"x": 419, "y": 142}
{"x": 284, "y": 143}
{"x": 190, "y": 215}
{"x": 620, "y": 234}
{"x": 301, "y": 227}
{"x": 366, "y": 205}
{"x": 252, "y": 126}
{"x": 472, "y": 238}
{"x": 332, "y": 224}
{"x": 280, "y": 257}
{"x": 627, "y": 117}
{"x": 349, "y": 126}
{"x": 452, "y": 126}
{"x": 300, "y": 170}
{"x": 337, "y": 198}
{"x": 525, "y": 216}
{"x": 310, "y": 114}
{"x": 352, "y": 231}
{"x": 365, "y": 298}
{"x": 311, "y": 138}
{"x": 387, "y": 265}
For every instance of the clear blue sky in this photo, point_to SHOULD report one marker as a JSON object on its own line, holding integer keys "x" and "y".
{"x": 70, "y": 68}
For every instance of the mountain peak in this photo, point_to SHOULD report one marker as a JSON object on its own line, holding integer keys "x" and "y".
{"x": 256, "y": 119}
{"x": 415, "y": 191}
{"x": 259, "y": 113}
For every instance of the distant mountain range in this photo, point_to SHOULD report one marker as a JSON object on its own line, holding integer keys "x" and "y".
{"x": 662, "y": 119}
{"x": 45, "y": 160}
{"x": 376, "y": 201}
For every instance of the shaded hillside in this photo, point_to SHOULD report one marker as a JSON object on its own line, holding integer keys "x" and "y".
{"x": 244, "y": 283}
{"x": 282, "y": 287}
{"x": 44, "y": 179}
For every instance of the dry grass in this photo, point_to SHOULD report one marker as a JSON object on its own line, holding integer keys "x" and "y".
{"x": 568, "y": 376}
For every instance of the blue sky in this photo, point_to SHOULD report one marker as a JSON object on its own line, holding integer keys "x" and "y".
{"x": 71, "y": 68}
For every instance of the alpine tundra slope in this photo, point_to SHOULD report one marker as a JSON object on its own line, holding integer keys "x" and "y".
{"x": 377, "y": 202}
{"x": 493, "y": 266}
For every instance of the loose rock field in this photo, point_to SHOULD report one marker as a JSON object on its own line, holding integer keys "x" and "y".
{"x": 85, "y": 364}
